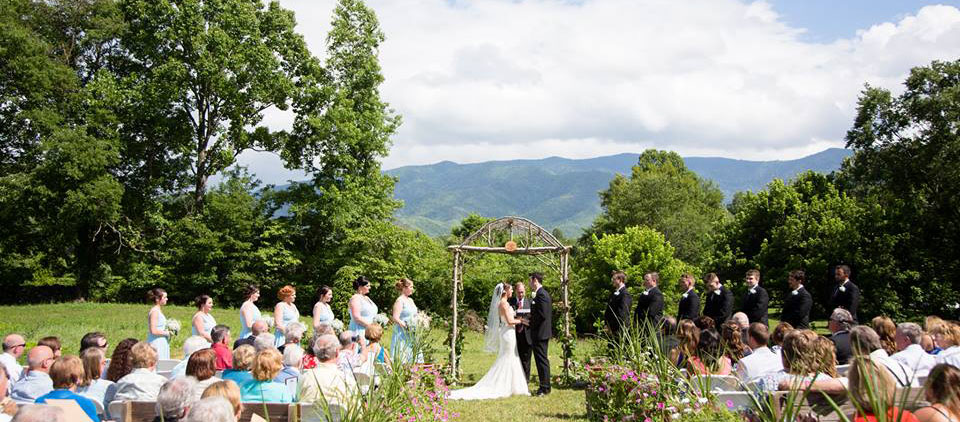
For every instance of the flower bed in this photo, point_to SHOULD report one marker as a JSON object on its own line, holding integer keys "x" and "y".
{"x": 427, "y": 396}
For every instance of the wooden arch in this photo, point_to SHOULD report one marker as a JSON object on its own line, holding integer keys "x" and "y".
{"x": 526, "y": 238}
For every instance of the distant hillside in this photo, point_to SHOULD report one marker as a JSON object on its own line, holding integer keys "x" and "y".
{"x": 559, "y": 192}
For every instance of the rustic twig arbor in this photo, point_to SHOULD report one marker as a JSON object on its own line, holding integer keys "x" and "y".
{"x": 526, "y": 238}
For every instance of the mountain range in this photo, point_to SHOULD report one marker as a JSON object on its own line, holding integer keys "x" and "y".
{"x": 559, "y": 192}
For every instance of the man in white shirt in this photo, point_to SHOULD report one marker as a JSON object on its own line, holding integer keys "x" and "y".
{"x": 762, "y": 361}
{"x": 143, "y": 383}
{"x": 865, "y": 341}
{"x": 326, "y": 381}
{"x": 36, "y": 381}
{"x": 911, "y": 354}
{"x": 13, "y": 347}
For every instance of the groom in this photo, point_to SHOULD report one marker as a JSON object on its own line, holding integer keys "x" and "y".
{"x": 541, "y": 329}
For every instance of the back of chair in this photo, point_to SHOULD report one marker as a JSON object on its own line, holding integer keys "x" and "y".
{"x": 117, "y": 411}
{"x": 99, "y": 407}
{"x": 724, "y": 383}
{"x": 167, "y": 364}
{"x": 277, "y": 412}
{"x": 842, "y": 370}
{"x": 291, "y": 384}
{"x": 736, "y": 400}
{"x": 142, "y": 411}
{"x": 308, "y": 412}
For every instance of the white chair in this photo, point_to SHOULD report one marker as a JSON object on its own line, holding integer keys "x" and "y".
{"x": 842, "y": 370}
{"x": 117, "y": 411}
{"x": 99, "y": 407}
{"x": 310, "y": 412}
{"x": 166, "y": 365}
{"x": 723, "y": 383}
{"x": 291, "y": 384}
{"x": 922, "y": 380}
{"x": 736, "y": 400}
{"x": 363, "y": 381}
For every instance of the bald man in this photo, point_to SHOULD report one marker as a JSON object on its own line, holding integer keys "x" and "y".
{"x": 259, "y": 327}
{"x": 13, "y": 347}
{"x": 36, "y": 381}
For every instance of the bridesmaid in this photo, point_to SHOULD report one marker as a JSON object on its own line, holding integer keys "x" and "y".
{"x": 157, "y": 334}
{"x": 322, "y": 314}
{"x": 284, "y": 313}
{"x": 203, "y": 322}
{"x": 404, "y": 312}
{"x": 249, "y": 313}
{"x": 362, "y": 308}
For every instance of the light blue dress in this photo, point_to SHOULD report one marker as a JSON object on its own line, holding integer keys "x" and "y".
{"x": 208, "y": 324}
{"x": 323, "y": 316}
{"x": 401, "y": 344}
{"x": 290, "y": 314}
{"x": 160, "y": 343}
{"x": 243, "y": 323}
{"x": 368, "y": 310}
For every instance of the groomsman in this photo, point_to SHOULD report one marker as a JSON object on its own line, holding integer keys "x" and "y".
{"x": 650, "y": 303}
{"x": 689, "y": 301}
{"x": 617, "y": 314}
{"x": 521, "y": 304}
{"x": 718, "y": 300}
{"x": 541, "y": 329}
{"x": 846, "y": 295}
{"x": 756, "y": 300}
{"x": 796, "y": 307}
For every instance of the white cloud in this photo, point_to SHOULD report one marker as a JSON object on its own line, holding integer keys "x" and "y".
{"x": 497, "y": 79}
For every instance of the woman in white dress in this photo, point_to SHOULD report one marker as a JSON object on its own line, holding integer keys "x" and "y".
{"x": 505, "y": 378}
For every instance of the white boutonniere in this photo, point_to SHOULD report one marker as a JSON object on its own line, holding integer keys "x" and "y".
{"x": 795, "y": 292}
{"x": 533, "y": 302}
{"x": 717, "y": 292}
{"x": 753, "y": 290}
{"x": 685, "y": 295}
{"x": 645, "y": 292}
{"x": 616, "y": 293}
{"x": 842, "y": 289}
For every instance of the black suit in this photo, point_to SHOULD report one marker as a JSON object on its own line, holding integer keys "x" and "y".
{"x": 796, "y": 308}
{"x": 617, "y": 314}
{"x": 241, "y": 341}
{"x": 718, "y": 306}
{"x": 755, "y": 305}
{"x": 523, "y": 338}
{"x": 841, "y": 339}
{"x": 649, "y": 307}
{"x": 541, "y": 329}
{"x": 848, "y": 299}
{"x": 689, "y": 306}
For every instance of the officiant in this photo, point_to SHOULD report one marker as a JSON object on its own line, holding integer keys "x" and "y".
{"x": 521, "y": 304}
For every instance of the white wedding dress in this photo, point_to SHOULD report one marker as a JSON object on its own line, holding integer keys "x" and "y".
{"x": 505, "y": 378}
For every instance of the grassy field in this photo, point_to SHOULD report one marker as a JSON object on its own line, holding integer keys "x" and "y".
{"x": 70, "y": 321}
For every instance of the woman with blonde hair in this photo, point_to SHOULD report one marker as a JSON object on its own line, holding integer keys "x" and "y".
{"x": 872, "y": 389}
{"x": 947, "y": 336}
{"x": 887, "y": 330}
{"x": 688, "y": 336}
{"x": 942, "y": 390}
{"x": 284, "y": 313}
{"x": 93, "y": 386}
{"x": 802, "y": 358}
{"x": 228, "y": 390}
{"x": 266, "y": 365}
{"x": 67, "y": 374}
{"x": 242, "y": 363}
{"x": 404, "y": 316}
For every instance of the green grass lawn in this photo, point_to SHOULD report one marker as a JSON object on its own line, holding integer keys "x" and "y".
{"x": 70, "y": 321}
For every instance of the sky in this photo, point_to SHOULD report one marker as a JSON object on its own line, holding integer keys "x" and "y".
{"x": 507, "y": 79}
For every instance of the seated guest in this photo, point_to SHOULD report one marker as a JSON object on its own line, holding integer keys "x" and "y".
{"x": 911, "y": 354}
{"x": 762, "y": 361}
{"x": 40, "y": 413}
{"x": 929, "y": 346}
{"x": 203, "y": 367}
{"x": 839, "y": 325}
{"x": 930, "y": 323}
{"x": 175, "y": 399}
{"x": 942, "y": 390}
{"x": 242, "y": 362}
{"x": 67, "y": 373}
{"x": 349, "y": 356}
{"x": 779, "y": 333}
{"x": 142, "y": 383}
{"x": 865, "y": 342}
{"x": 744, "y": 322}
{"x": 13, "y": 347}
{"x": 292, "y": 362}
{"x": 887, "y": 331}
{"x": 373, "y": 351}
{"x": 803, "y": 362}
{"x": 92, "y": 386}
{"x": 191, "y": 345}
{"x": 326, "y": 380}
{"x": 53, "y": 342}
{"x": 211, "y": 409}
{"x": 668, "y": 331}
{"x": 870, "y": 384}
{"x": 309, "y": 360}
{"x": 120, "y": 364}
{"x": 947, "y": 336}
{"x": 95, "y": 339}
{"x": 709, "y": 358}
{"x": 221, "y": 338}
{"x": 266, "y": 365}
{"x": 260, "y": 342}
{"x": 705, "y": 323}
{"x": 259, "y": 327}
{"x": 35, "y": 381}
{"x": 293, "y": 334}
{"x": 731, "y": 342}
{"x": 8, "y": 407}
{"x": 228, "y": 390}
{"x": 688, "y": 336}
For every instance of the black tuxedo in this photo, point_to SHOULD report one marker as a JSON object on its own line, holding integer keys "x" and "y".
{"x": 718, "y": 306}
{"x": 617, "y": 314}
{"x": 523, "y": 337}
{"x": 796, "y": 308}
{"x": 649, "y": 307}
{"x": 541, "y": 329}
{"x": 755, "y": 305}
{"x": 689, "y": 306}
{"x": 848, "y": 299}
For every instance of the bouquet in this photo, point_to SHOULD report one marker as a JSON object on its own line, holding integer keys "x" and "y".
{"x": 381, "y": 319}
{"x": 269, "y": 322}
{"x": 173, "y": 326}
{"x": 337, "y": 326}
{"x": 421, "y": 320}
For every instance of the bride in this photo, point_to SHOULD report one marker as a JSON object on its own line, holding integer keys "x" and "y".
{"x": 505, "y": 378}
